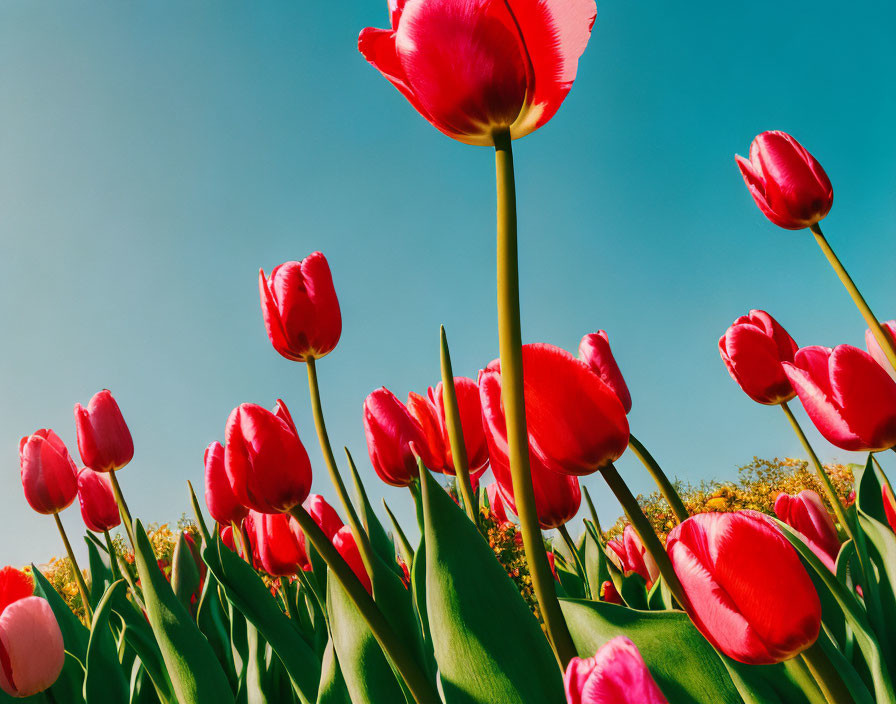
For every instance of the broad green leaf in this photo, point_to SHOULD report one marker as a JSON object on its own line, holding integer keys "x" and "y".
{"x": 104, "y": 681}
{"x": 572, "y": 584}
{"x": 256, "y": 680}
{"x": 332, "y": 687}
{"x": 100, "y": 572}
{"x": 379, "y": 539}
{"x": 660, "y": 598}
{"x": 488, "y": 645}
{"x": 142, "y": 688}
{"x": 213, "y": 622}
{"x": 74, "y": 634}
{"x": 766, "y": 684}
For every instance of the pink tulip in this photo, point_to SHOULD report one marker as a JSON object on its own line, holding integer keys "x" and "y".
{"x": 323, "y": 514}
{"x": 98, "y": 507}
{"x": 630, "y": 556}
{"x": 848, "y": 396}
{"x": 594, "y": 350}
{"x": 617, "y": 674}
{"x": 874, "y": 347}
{"x": 104, "y": 439}
{"x": 49, "y": 475}
{"x": 806, "y": 513}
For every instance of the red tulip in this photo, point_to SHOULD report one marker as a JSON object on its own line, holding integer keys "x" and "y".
{"x": 323, "y": 514}
{"x": 104, "y": 440}
{"x": 754, "y": 349}
{"x": 300, "y": 308}
{"x": 806, "y": 513}
{"x": 617, "y": 674}
{"x": 344, "y": 542}
{"x": 745, "y": 587}
{"x": 576, "y": 423}
{"x": 594, "y": 350}
{"x": 630, "y": 556}
{"x": 226, "y": 533}
{"x": 424, "y": 412}
{"x": 609, "y": 594}
{"x": 495, "y": 502}
{"x": 391, "y": 429}
{"x": 552, "y": 562}
{"x": 848, "y": 396}
{"x": 49, "y": 476}
{"x": 278, "y": 543}
{"x": 266, "y": 464}
{"x": 786, "y": 181}
{"x": 557, "y": 496}
{"x": 31, "y": 648}
{"x": 874, "y": 347}
{"x": 470, "y": 408}
{"x": 889, "y": 505}
{"x": 222, "y": 504}
{"x": 98, "y": 507}
{"x": 475, "y": 67}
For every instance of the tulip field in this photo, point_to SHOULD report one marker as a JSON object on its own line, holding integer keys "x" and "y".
{"x": 779, "y": 588}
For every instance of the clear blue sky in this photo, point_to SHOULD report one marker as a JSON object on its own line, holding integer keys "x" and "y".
{"x": 154, "y": 155}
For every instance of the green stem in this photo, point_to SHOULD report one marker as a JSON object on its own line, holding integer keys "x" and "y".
{"x": 571, "y": 546}
{"x": 394, "y": 647}
{"x": 883, "y": 339}
{"x": 824, "y": 672}
{"x": 592, "y": 510}
{"x": 122, "y": 506}
{"x": 662, "y": 481}
{"x": 113, "y": 557}
{"x": 644, "y": 529}
{"x": 455, "y": 430}
{"x": 79, "y": 577}
{"x": 511, "y": 356}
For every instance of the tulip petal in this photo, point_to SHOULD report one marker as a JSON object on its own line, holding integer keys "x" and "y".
{"x": 753, "y": 360}
{"x": 866, "y": 396}
{"x": 14, "y": 585}
{"x": 32, "y": 642}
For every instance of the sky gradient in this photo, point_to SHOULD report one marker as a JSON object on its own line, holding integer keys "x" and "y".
{"x": 153, "y": 156}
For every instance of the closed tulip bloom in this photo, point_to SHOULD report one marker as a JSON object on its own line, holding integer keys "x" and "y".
{"x": 785, "y": 180}
{"x": 98, "y": 507}
{"x": 219, "y": 497}
{"x": 49, "y": 475}
{"x": 609, "y": 594}
{"x": 576, "y": 423}
{"x": 345, "y": 544}
{"x": 424, "y": 412}
{"x": 472, "y": 67}
{"x": 745, "y": 587}
{"x": 848, "y": 396}
{"x": 31, "y": 648}
{"x": 470, "y": 407}
{"x": 390, "y": 430}
{"x": 594, "y": 350}
{"x": 806, "y": 513}
{"x": 889, "y": 505}
{"x": 266, "y": 464}
{"x": 630, "y": 556}
{"x": 323, "y": 514}
{"x": 300, "y": 308}
{"x": 495, "y": 502}
{"x": 754, "y": 350}
{"x": 617, "y": 674}
{"x": 104, "y": 439}
{"x": 278, "y": 543}
{"x": 874, "y": 347}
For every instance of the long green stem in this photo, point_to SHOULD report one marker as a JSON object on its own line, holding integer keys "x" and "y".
{"x": 824, "y": 672}
{"x": 511, "y": 355}
{"x": 649, "y": 539}
{"x": 79, "y": 577}
{"x": 122, "y": 506}
{"x": 571, "y": 546}
{"x": 660, "y": 478}
{"x": 396, "y": 649}
{"x": 455, "y": 430}
{"x": 883, "y": 339}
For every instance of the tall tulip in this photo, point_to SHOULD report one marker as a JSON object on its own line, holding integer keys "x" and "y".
{"x": 617, "y": 674}
{"x": 390, "y": 430}
{"x": 472, "y": 68}
{"x": 300, "y": 308}
{"x": 49, "y": 475}
{"x": 848, "y": 396}
{"x": 219, "y": 497}
{"x": 345, "y": 544}
{"x": 104, "y": 439}
{"x": 806, "y": 513}
{"x": 785, "y": 180}
{"x": 754, "y": 350}
{"x": 31, "y": 648}
{"x": 278, "y": 543}
{"x": 744, "y": 586}
{"x": 470, "y": 407}
{"x": 266, "y": 464}
{"x": 874, "y": 348}
{"x": 629, "y": 555}
{"x": 594, "y": 350}
{"x": 98, "y": 507}
{"x": 323, "y": 514}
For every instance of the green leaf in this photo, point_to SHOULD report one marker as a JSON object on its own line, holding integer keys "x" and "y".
{"x": 184, "y": 572}
{"x": 379, "y": 539}
{"x": 488, "y": 645}
{"x": 685, "y": 666}
{"x": 104, "y": 682}
{"x": 213, "y": 622}
{"x": 196, "y": 675}
{"x": 332, "y": 687}
{"x": 100, "y": 572}
{"x": 74, "y": 634}
{"x": 572, "y": 584}
{"x": 142, "y": 688}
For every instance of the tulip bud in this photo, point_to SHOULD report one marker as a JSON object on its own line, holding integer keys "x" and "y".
{"x": 848, "y": 396}
{"x": 617, "y": 674}
{"x": 266, "y": 464}
{"x": 785, "y": 180}
{"x": 98, "y": 507}
{"x": 300, "y": 308}
{"x": 278, "y": 542}
{"x": 609, "y": 594}
{"x": 49, "y": 476}
{"x": 889, "y": 505}
{"x": 104, "y": 440}
{"x": 345, "y": 544}
{"x": 219, "y": 497}
{"x": 630, "y": 556}
{"x": 469, "y": 406}
{"x": 391, "y": 430}
{"x": 323, "y": 514}
{"x": 754, "y": 349}
{"x": 552, "y": 562}
{"x": 874, "y": 347}
{"x": 806, "y": 513}
{"x": 744, "y": 586}
{"x": 594, "y": 350}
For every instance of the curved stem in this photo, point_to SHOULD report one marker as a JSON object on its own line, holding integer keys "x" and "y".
{"x": 455, "y": 430}
{"x": 511, "y": 355}
{"x": 122, "y": 506}
{"x": 79, "y": 577}
{"x": 824, "y": 672}
{"x": 394, "y": 647}
{"x": 571, "y": 546}
{"x": 662, "y": 481}
{"x": 883, "y": 339}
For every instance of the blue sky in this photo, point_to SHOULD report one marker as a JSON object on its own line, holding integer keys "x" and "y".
{"x": 154, "y": 155}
